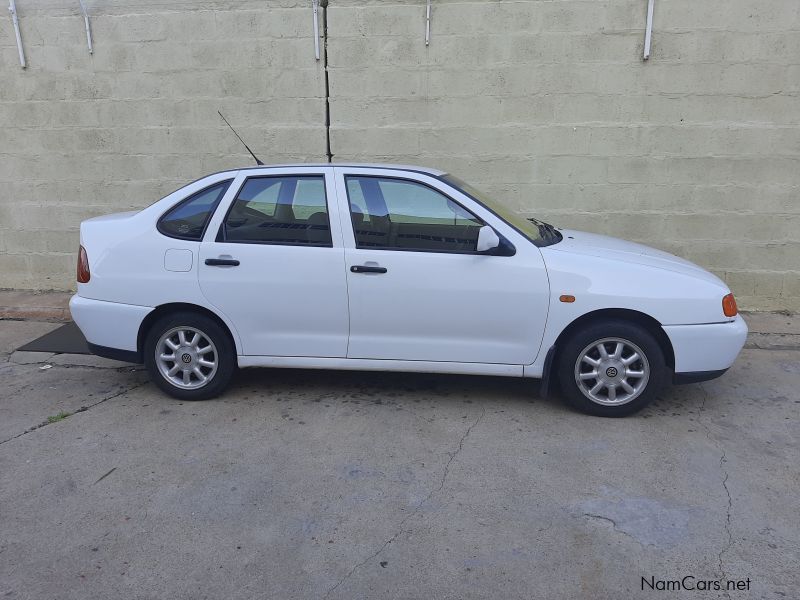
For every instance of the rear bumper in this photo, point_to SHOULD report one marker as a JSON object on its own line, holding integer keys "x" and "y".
{"x": 705, "y": 351}
{"x": 109, "y": 327}
{"x": 129, "y": 356}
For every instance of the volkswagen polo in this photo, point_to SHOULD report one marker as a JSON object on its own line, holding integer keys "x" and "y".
{"x": 395, "y": 268}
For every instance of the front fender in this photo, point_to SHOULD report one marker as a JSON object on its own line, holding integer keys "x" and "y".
{"x": 597, "y": 283}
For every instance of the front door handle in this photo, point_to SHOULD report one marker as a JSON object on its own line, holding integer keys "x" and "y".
{"x": 367, "y": 269}
{"x": 222, "y": 262}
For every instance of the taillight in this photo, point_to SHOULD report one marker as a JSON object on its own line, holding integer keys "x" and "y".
{"x": 729, "y": 306}
{"x": 83, "y": 266}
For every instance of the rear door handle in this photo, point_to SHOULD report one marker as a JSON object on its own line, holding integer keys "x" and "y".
{"x": 367, "y": 269}
{"x": 222, "y": 262}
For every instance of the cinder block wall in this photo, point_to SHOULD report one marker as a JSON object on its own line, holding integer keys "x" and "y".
{"x": 85, "y": 135}
{"x": 545, "y": 103}
{"x": 549, "y": 105}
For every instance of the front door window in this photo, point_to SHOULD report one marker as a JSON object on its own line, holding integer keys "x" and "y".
{"x": 397, "y": 214}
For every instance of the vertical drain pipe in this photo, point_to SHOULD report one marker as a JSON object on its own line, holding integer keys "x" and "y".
{"x": 328, "y": 153}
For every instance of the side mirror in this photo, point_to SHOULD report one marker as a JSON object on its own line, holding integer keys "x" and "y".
{"x": 488, "y": 240}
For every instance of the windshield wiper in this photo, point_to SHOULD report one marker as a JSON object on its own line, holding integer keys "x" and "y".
{"x": 547, "y": 231}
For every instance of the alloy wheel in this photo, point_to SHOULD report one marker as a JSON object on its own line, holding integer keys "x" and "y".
{"x": 612, "y": 371}
{"x": 186, "y": 357}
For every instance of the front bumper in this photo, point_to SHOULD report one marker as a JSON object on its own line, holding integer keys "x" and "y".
{"x": 696, "y": 376}
{"x": 705, "y": 351}
{"x": 109, "y": 326}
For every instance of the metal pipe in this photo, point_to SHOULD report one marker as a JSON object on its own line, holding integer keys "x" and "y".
{"x": 88, "y": 29}
{"x": 648, "y": 32}
{"x": 12, "y": 7}
{"x": 315, "y": 5}
{"x": 428, "y": 23}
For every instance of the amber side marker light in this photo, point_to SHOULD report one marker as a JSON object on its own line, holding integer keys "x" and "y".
{"x": 729, "y": 306}
{"x": 83, "y": 266}
{"x": 567, "y": 298}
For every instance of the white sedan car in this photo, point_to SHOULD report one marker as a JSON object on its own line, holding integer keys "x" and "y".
{"x": 392, "y": 268}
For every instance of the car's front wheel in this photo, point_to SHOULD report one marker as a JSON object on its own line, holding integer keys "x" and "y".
{"x": 611, "y": 369}
{"x": 189, "y": 356}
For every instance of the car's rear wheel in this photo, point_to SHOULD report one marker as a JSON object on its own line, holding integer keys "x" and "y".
{"x": 611, "y": 369}
{"x": 189, "y": 356}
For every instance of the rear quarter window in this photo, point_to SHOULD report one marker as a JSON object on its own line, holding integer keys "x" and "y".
{"x": 188, "y": 219}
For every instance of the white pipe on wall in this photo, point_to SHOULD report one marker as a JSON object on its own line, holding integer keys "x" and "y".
{"x": 315, "y": 6}
{"x": 648, "y": 32}
{"x": 86, "y": 25}
{"x": 428, "y": 23}
{"x": 12, "y": 7}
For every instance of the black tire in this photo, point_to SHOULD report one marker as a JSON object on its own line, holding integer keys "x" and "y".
{"x": 224, "y": 356}
{"x": 635, "y": 335}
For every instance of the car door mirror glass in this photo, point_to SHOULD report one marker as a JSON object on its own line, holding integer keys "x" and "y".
{"x": 488, "y": 240}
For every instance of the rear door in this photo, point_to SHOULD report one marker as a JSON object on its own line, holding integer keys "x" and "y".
{"x": 418, "y": 290}
{"x": 272, "y": 262}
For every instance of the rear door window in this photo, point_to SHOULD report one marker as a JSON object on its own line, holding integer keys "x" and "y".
{"x": 289, "y": 210}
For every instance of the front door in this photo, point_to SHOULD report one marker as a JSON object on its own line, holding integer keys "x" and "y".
{"x": 417, "y": 288}
{"x": 272, "y": 262}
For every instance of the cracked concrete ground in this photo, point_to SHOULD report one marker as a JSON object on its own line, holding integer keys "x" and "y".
{"x": 304, "y": 484}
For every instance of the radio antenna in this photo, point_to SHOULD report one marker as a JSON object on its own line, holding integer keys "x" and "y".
{"x": 258, "y": 162}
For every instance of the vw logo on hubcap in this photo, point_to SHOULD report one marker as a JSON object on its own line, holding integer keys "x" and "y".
{"x": 187, "y": 358}
{"x": 611, "y": 371}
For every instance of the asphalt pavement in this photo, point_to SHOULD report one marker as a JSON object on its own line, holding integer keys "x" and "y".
{"x": 314, "y": 484}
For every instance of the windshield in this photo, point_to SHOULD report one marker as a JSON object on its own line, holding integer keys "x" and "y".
{"x": 540, "y": 233}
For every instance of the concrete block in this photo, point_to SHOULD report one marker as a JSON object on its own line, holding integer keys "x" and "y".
{"x": 374, "y": 84}
{"x": 768, "y": 284}
{"x": 742, "y": 283}
{"x": 274, "y": 23}
{"x": 737, "y": 16}
{"x": 570, "y": 169}
{"x": 791, "y": 285}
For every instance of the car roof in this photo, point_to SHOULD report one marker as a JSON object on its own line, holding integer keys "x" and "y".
{"x": 391, "y": 167}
